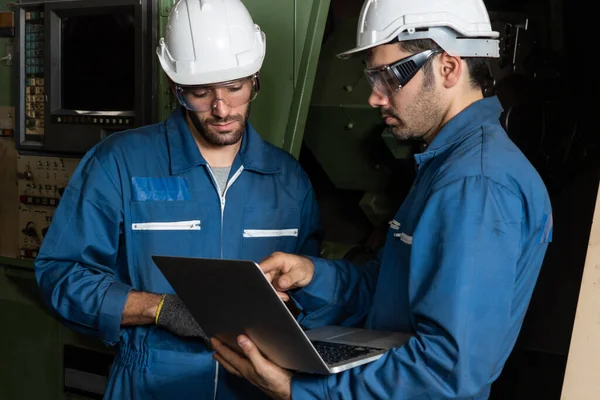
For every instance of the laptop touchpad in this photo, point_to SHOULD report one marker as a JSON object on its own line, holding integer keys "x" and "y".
{"x": 360, "y": 337}
{"x": 369, "y": 338}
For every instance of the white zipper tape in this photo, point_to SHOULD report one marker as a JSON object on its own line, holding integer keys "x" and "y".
{"x": 193, "y": 225}
{"x": 265, "y": 233}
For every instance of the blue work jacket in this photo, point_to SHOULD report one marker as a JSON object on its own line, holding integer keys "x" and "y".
{"x": 458, "y": 268}
{"x": 149, "y": 191}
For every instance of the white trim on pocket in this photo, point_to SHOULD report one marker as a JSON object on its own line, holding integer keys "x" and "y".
{"x": 404, "y": 238}
{"x": 395, "y": 224}
{"x": 193, "y": 225}
{"x": 266, "y": 233}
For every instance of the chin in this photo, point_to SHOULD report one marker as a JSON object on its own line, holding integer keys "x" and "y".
{"x": 224, "y": 138}
{"x": 401, "y": 134}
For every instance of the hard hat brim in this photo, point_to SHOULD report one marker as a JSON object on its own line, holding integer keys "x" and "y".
{"x": 356, "y": 50}
{"x": 453, "y": 42}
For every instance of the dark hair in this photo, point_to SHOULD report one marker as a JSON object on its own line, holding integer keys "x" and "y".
{"x": 479, "y": 68}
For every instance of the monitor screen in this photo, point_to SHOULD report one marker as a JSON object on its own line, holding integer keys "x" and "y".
{"x": 98, "y": 62}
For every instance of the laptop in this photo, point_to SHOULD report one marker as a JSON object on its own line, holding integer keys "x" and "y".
{"x": 232, "y": 297}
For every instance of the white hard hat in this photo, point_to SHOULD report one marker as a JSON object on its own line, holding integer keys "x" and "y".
{"x": 460, "y": 27}
{"x": 210, "y": 41}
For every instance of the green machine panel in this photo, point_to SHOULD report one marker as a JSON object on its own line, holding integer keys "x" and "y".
{"x": 345, "y": 134}
{"x": 6, "y": 89}
{"x": 28, "y": 345}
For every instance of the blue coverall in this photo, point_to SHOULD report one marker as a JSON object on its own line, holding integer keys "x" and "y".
{"x": 458, "y": 268}
{"x": 125, "y": 203}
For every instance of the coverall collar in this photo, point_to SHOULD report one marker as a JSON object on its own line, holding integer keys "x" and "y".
{"x": 185, "y": 155}
{"x": 463, "y": 124}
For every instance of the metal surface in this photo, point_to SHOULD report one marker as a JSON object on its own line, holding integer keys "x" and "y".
{"x": 250, "y": 302}
{"x": 377, "y": 207}
{"x": 304, "y": 84}
{"x": 6, "y": 93}
{"x": 8, "y": 197}
{"x": 32, "y": 340}
{"x": 41, "y": 180}
{"x": 165, "y": 100}
{"x": 29, "y": 129}
{"x": 28, "y": 340}
{"x": 28, "y": 345}
{"x": 343, "y": 132}
{"x": 50, "y": 133}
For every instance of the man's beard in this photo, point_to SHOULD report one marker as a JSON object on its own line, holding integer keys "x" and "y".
{"x": 418, "y": 117}
{"x": 217, "y": 138}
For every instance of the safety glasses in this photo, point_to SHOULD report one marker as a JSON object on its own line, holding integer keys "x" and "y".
{"x": 205, "y": 97}
{"x": 389, "y": 79}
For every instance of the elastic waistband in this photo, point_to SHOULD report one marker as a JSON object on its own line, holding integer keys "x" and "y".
{"x": 131, "y": 357}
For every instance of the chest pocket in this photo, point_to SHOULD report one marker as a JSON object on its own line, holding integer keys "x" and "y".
{"x": 267, "y": 230}
{"x": 171, "y": 228}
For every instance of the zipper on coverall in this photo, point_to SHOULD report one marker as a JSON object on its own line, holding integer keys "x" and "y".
{"x": 222, "y": 201}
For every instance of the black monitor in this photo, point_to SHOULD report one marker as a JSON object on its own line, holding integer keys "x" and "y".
{"x": 95, "y": 75}
{"x": 94, "y": 67}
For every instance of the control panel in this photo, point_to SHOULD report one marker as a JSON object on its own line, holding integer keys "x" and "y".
{"x": 34, "y": 72}
{"x": 41, "y": 182}
{"x": 92, "y": 120}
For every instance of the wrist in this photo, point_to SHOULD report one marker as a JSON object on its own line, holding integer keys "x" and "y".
{"x": 140, "y": 308}
{"x": 309, "y": 267}
{"x": 153, "y": 311}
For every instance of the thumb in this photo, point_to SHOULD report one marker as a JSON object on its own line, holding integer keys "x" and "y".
{"x": 294, "y": 278}
{"x": 250, "y": 350}
{"x": 274, "y": 263}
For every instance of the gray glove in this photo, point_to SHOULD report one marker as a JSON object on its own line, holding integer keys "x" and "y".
{"x": 173, "y": 316}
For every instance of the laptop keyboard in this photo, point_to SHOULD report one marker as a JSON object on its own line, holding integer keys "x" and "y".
{"x": 335, "y": 353}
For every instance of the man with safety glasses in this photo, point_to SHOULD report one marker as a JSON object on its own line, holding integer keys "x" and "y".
{"x": 463, "y": 252}
{"x": 202, "y": 184}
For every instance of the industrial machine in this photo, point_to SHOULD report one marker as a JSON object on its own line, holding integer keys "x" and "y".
{"x": 77, "y": 86}
{"x": 41, "y": 183}
{"x": 72, "y": 72}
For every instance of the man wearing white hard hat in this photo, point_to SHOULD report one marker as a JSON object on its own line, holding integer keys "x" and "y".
{"x": 201, "y": 184}
{"x": 464, "y": 250}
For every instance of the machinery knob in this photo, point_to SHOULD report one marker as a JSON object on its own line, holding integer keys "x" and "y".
{"x": 25, "y": 175}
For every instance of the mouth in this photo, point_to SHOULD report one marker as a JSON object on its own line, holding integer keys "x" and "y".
{"x": 223, "y": 127}
{"x": 390, "y": 120}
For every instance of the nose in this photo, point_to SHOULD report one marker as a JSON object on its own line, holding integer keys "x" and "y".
{"x": 220, "y": 108}
{"x": 377, "y": 100}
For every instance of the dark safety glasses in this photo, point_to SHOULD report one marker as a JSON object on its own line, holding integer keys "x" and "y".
{"x": 232, "y": 94}
{"x": 389, "y": 79}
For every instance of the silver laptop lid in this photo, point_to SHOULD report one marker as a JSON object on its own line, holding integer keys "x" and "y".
{"x": 232, "y": 297}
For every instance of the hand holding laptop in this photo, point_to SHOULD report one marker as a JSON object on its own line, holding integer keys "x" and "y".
{"x": 287, "y": 271}
{"x": 276, "y": 382}
{"x": 253, "y": 332}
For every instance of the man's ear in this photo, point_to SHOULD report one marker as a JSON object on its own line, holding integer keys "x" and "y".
{"x": 450, "y": 68}
{"x": 171, "y": 85}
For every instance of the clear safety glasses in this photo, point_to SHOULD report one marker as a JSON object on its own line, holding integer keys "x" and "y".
{"x": 232, "y": 94}
{"x": 389, "y": 79}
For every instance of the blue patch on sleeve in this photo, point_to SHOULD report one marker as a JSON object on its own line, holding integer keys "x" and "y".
{"x": 548, "y": 227}
{"x": 160, "y": 189}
